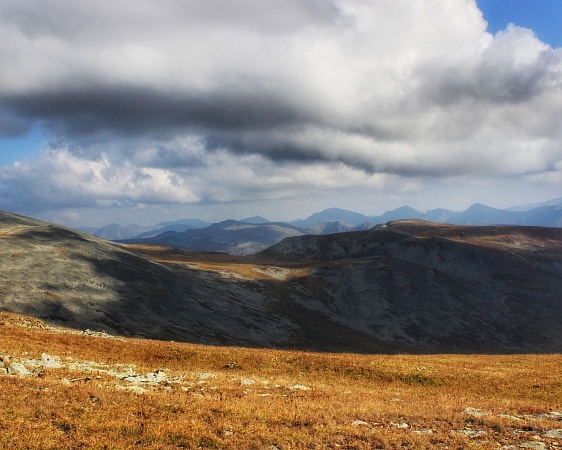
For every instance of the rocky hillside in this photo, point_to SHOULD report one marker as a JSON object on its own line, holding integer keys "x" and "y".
{"x": 406, "y": 286}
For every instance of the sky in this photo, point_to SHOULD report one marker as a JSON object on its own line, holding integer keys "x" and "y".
{"x": 140, "y": 111}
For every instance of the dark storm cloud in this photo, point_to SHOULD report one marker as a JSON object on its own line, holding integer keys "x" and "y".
{"x": 126, "y": 110}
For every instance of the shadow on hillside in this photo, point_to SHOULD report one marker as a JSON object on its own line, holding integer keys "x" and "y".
{"x": 169, "y": 302}
{"x": 382, "y": 304}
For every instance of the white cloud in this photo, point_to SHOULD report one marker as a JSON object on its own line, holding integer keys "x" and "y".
{"x": 185, "y": 102}
{"x": 60, "y": 179}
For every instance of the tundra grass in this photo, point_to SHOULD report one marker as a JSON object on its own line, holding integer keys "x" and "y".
{"x": 237, "y": 398}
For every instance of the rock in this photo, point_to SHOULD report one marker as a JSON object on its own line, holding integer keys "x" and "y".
{"x": 533, "y": 444}
{"x": 135, "y": 389}
{"x": 555, "y": 415}
{"x": 357, "y": 423}
{"x": 156, "y": 377}
{"x": 399, "y": 425}
{"x": 247, "y": 382}
{"x": 508, "y": 416}
{"x": 299, "y": 387}
{"x": 474, "y": 412}
{"x": 469, "y": 433}
{"x": 422, "y": 431}
{"x": 18, "y": 369}
{"x": 206, "y": 375}
{"x": 556, "y": 433}
{"x": 50, "y": 362}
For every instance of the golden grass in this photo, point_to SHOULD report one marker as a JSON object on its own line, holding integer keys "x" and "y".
{"x": 353, "y": 401}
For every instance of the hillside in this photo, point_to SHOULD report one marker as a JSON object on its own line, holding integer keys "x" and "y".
{"x": 406, "y": 286}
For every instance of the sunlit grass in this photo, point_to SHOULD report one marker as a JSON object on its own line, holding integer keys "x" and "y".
{"x": 287, "y": 399}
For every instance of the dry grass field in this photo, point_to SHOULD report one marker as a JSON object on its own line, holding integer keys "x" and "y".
{"x": 132, "y": 393}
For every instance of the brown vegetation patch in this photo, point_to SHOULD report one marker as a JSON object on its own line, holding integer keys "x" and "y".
{"x": 232, "y": 398}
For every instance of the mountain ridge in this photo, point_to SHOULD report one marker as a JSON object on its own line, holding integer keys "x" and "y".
{"x": 334, "y": 220}
{"x": 403, "y": 286}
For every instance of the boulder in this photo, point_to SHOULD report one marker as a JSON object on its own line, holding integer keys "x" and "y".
{"x": 18, "y": 369}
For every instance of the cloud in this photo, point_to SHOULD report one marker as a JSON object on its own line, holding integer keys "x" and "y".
{"x": 60, "y": 179}
{"x": 149, "y": 102}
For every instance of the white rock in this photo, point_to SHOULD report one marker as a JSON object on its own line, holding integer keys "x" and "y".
{"x": 206, "y": 375}
{"x": 357, "y": 423}
{"x": 50, "y": 362}
{"x": 247, "y": 382}
{"x": 475, "y": 412}
{"x": 156, "y": 377}
{"x": 135, "y": 389}
{"x": 533, "y": 444}
{"x": 556, "y": 433}
{"x": 18, "y": 369}
{"x": 470, "y": 433}
{"x": 299, "y": 387}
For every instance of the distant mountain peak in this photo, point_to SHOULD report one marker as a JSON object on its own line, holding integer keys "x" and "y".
{"x": 255, "y": 220}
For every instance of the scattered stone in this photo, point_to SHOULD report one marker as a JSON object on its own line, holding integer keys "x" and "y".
{"x": 475, "y": 412}
{"x": 100, "y": 334}
{"x": 399, "y": 425}
{"x": 554, "y": 415}
{"x": 299, "y": 387}
{"x": 422, "y": 431}
{"x": 470, "y": 433}
{"x": 206, "y": 375}
{"x": 556, "y": 433}
{"x": 157, "y": 377}
{"x": 507, "y": 416}
{"x": 50, "y": 362}
{"x": 533, "y": 444}
{"x": 18, "y": 370}
{"x": 357, "y": 423}
{"x": 247, "y": 382}
{"x": 134, "y": 388}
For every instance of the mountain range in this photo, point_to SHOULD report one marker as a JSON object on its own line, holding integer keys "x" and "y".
{"x": 403, "y": 286}
{"x": 253, "y": 234}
